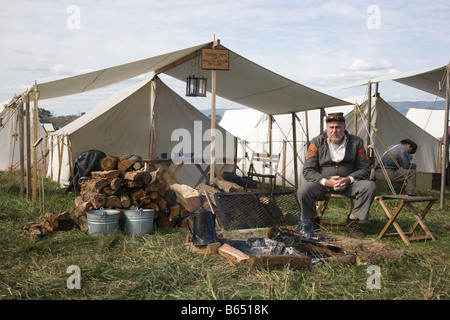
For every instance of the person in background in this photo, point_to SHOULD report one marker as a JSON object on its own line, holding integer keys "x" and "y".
{"x": 397, "y": 162}
{"x": 337, "y": 162}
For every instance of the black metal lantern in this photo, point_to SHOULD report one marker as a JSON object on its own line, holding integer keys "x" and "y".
{"x": 196, "y": 87}
{"x": 191, "y": 86}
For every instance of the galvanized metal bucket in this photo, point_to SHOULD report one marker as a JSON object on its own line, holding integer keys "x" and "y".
{"x": 138, "y": 221}
{"x": 103, "y": 221}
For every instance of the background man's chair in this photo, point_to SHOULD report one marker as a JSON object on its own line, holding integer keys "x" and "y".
{"x": 267, "y": 165}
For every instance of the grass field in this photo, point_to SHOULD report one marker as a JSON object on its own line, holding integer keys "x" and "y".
{"x": 158, "y": 267}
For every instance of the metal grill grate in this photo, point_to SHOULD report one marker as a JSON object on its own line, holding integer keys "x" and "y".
{"x": 244, "y": 210}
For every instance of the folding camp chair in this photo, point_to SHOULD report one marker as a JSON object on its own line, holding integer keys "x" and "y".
{"x": 268, "y": 164}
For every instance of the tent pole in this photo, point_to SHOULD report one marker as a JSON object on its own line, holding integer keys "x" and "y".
{"x": 35, "y": 136}
{"x": 322, "y": 115}
{"x": 21, "y": 143}
{"x": 445, "y": 153}
{"x": 294, "y": 136}
{"x": 28, "y": 143}
{"x": 369, "y": 117}
{"x": 355, "y": 119}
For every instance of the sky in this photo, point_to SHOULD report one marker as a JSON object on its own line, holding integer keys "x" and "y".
{"x": 325, "y": 45}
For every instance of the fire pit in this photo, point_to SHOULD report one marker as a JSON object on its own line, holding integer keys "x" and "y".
{"x": 284, "y": 246}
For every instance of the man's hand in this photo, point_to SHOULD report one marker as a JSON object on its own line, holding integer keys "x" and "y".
{"x": 338, "y": 183}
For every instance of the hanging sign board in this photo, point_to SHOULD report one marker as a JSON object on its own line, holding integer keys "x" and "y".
{"x": 215, "y": 59}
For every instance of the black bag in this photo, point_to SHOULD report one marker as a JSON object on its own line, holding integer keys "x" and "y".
{"x": 84, "y": 164}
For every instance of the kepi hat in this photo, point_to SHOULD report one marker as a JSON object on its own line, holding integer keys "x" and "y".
{"x": 338, "y": 116}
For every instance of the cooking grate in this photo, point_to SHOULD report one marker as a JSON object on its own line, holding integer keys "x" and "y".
{"x": 260, "y": 209}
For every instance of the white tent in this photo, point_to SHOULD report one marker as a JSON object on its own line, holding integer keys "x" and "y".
{"x": 126, "y": 122}
{"x": 429, "y": 120}
{"x": 9, "y": 138}
{"x": 391, "y": 127}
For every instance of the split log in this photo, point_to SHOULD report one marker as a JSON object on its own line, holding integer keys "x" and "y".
{"x": 269, "y": 261}
{"x": 97, "y": 199}
{"x": 113, "y": 202}
{"x": 115, "y": 183}
{"x": 211, "y": 191}
{"x": 135, "y": 195}
{"x": 125, "y": 200}
{"x": 234, "y": 255}
{"x": 369, "y": 257}
{"x": 161, "y": 202}
{"x": 228, "y": 186}
{"x": 82, "y": 207}
{"x": 109, "y": 163}
{"x": 174, "y": 212}
{"x": 124, "y": 164}
{"x": 134, "y": 175}
{"x": 95, "y": 184}
{"x": 188, "y": 197}
{"x": 110, "y": 174}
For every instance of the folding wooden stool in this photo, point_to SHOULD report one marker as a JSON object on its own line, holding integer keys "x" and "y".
{"x": 323, "y": 206}
{"x": 406, "y": 201}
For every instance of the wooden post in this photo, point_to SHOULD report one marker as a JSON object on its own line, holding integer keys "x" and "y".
{"x": 294, "y": 138}
{"x": 369, "y": 118}
{"x": 445, "y": 152}
{"x": 28, "y": 143}
{"x": 35, "y": 136}
{"x": 213, "y": 122}
{"x": 307, "y": 128}
{"x": 284, "y": 164}
{"x": 355, "y": 119}
{"x": 21, "y": 147}
{"x": 322, "y": 115}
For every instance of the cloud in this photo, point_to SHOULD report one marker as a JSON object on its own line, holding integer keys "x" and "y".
{"x": 374, "y": 65}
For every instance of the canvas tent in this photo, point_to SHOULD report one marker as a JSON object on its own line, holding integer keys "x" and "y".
{"x": 9, "y": 138}
{"x": 392, "y": 127}
{"x": 126, "y": 122}
{"x": 428, "y": 119}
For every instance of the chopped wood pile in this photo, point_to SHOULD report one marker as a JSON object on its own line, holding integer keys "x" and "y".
{"x": 125, "y": 183}
{"x": 48, "y": 223}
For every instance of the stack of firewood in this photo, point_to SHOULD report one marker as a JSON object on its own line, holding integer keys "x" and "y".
{"x": 48, "y": 223}
{"x": 125, "y": 183}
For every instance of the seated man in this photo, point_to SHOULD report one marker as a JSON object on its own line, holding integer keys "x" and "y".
{"x": 397, "y": 162}
{"x": 337, "y": 162}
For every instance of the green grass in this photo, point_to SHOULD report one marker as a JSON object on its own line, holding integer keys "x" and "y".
{"x": 158, "y": 266}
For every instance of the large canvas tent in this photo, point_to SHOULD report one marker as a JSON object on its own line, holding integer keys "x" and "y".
{"x": 147, "y": 119}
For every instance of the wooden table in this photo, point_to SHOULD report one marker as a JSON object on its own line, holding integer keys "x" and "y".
{"x": 408, "y": 202}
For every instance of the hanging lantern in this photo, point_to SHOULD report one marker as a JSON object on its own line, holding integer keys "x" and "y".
{"x": 201, "y": 86}
{"x": 196, "y": 87}
{"x": 191, "y": 86}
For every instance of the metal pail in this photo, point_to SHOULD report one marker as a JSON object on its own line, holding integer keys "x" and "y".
{"x": 138, "y": 221}
{"x": 103, "y": 221}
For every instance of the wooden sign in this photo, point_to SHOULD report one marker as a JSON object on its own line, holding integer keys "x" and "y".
{"x": 215, "y": 59}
